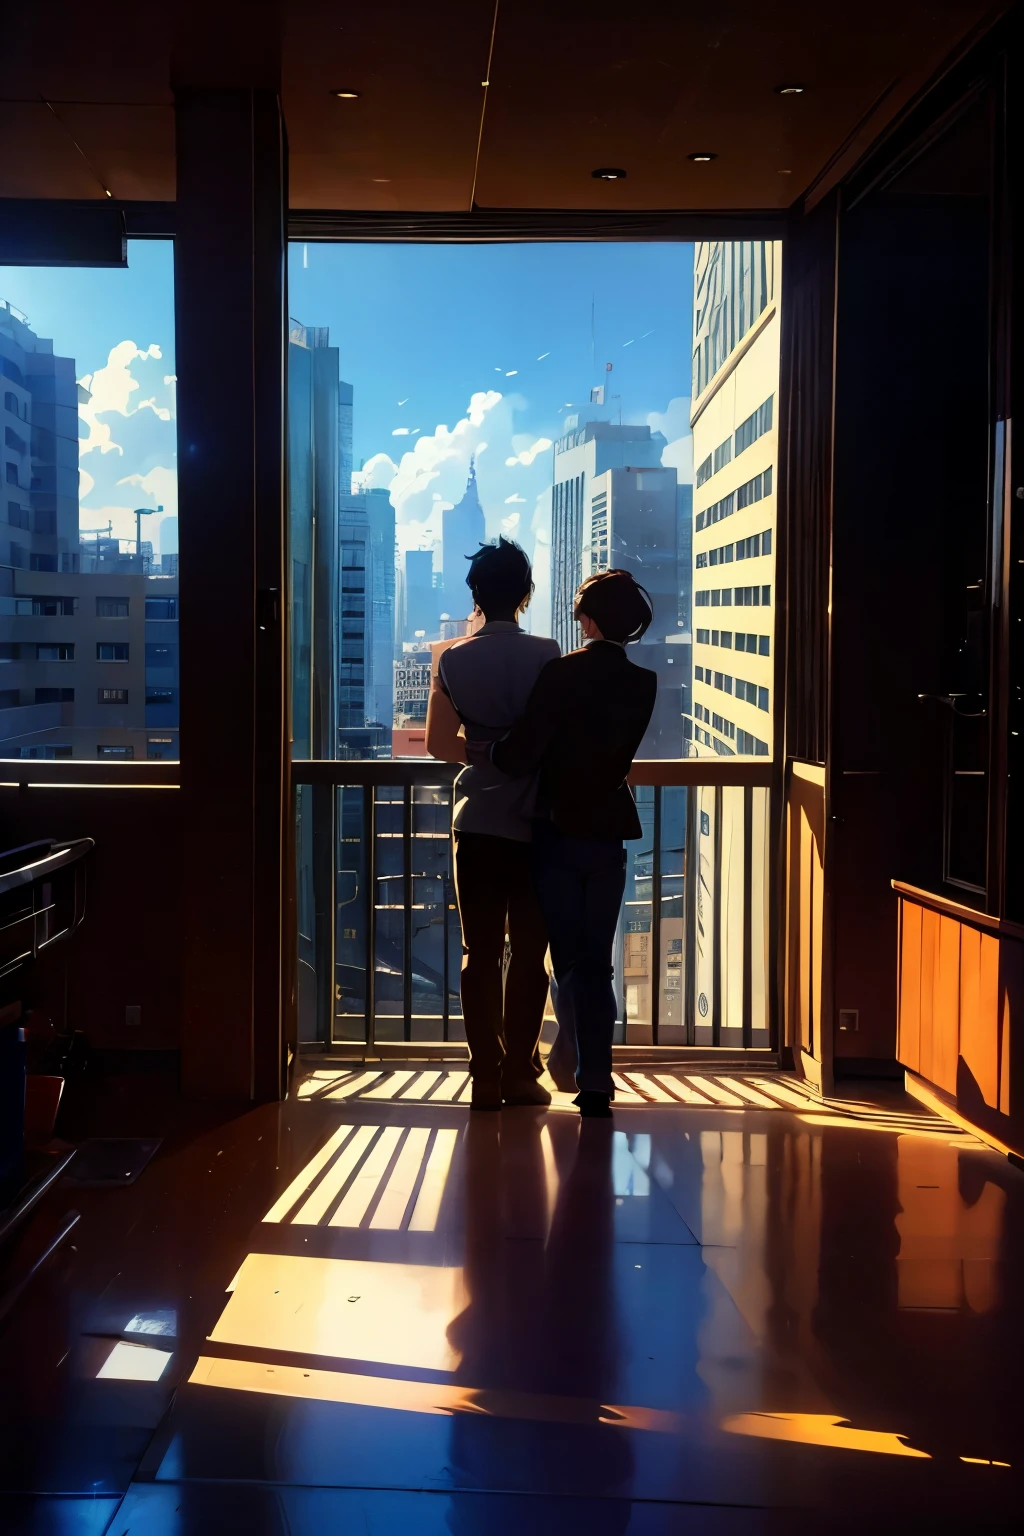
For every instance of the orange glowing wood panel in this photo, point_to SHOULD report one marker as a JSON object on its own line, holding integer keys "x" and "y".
{"x": 946, "y": 1006}
{"x": 909, "y": 1049}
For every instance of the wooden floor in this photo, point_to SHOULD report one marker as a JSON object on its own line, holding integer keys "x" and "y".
{"x": 735, "y": 1308}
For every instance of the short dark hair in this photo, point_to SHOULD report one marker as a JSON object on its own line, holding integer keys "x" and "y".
{"x": 619, "y": 606}
{"x": 499, "y": 576}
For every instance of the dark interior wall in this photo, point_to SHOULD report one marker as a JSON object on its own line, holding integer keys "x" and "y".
{"x": 128, "y": 950}
{"x": 910, "y": 513}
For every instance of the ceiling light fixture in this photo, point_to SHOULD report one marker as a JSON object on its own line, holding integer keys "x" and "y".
{"x": 702, "y": 155}
{"x": 790, "y": 90}
{"x": 608, "y": 173}
{"x": 347, "y": 95}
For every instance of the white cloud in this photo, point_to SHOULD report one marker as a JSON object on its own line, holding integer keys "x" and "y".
{"x": 674, "y": 424}
{"x": 512, "y": 373}
{"x": 436, "y": 465}
{"x": 111, "y": 388}
{"x": 528, "y": 455}
{"x": 85, "y": 484}
{"x": 510, "y": 524}
{"x": 510, "y": 499}
{"x": 159, "y": 483}
{"x": 158, "y": 410}
{"x": 400, "y": 432}
{"x": 170, "y": 378}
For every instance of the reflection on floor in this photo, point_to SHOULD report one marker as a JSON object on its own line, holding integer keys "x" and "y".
{"x": 735, "y": 1308}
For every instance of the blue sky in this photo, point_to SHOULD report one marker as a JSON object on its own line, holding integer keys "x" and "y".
{"x": 453, "y": 350}
{"x": 456, "y": 349}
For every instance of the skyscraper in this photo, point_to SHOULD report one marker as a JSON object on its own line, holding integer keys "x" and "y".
{"x": 580, "y": 456}
{"x": 634, "y": 526}
{"x": 345, "y": 395}
{"x": 463, "y": 530}
{"x": 313, "y": 468}
{"x": 381, "y": 604}
{"x": 737, "y": 289}
{"x": 420, "y": 618}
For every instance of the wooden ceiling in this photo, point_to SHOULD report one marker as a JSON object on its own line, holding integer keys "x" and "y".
{"x": 86, "y": 96}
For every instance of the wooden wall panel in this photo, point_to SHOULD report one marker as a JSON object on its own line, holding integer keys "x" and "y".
{"x": 961, "y": 995}
{"x": 909, "y": 1016}
{"x": 808, "y": 1015}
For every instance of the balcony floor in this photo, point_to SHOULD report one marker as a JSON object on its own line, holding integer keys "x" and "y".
{"x": 381, "y": 1314}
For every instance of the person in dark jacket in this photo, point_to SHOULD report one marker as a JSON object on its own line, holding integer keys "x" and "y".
{"x": 583, "y": 723}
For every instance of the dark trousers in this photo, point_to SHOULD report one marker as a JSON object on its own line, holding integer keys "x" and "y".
{"x": 496, "y": 894}
{"x": 580, "y": 883}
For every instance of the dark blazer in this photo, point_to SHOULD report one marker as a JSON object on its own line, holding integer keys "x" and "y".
{"x": 583, "y": 723}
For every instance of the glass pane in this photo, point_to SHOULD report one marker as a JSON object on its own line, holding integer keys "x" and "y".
{"x": 88, "y": 511}
{"x": 637, "y": 953}
{"x": 672, "y": 1003}
{"x": 541, "y": 392}
{"x": 389, "y": 899}
{"x": 351, "y": 915}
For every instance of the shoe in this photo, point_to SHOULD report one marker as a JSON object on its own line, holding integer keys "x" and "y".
{"x": 525, "y": 1093}
{"x": 595, "y": 1106}
{"x": 485, "y": 1095}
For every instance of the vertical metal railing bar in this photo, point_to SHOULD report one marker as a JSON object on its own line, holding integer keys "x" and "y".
{"x": 748, "y": 914}
{"x": 446, "y": 895}
{"x": 324, "y": 859}
{"x": 407, "y": 878}
{"x": 370, "y": 856}
{"x": 716, "y": 918}
{"x": 691, "y": 875}
{"x": 656, "y": 918}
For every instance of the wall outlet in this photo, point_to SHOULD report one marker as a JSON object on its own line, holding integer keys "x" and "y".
{"x": 133, "y": 1015}
{"x": 849, "y": 1021}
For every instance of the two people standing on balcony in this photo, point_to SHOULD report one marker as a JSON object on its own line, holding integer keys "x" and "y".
{"x": 564, "y": 757}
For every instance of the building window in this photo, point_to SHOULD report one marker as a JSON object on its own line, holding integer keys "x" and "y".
{"x": 762, "y": 698}
{"x": 113, "y": 607}
{"x": 161, "y": 608}
{"x": 763, "y": 645}
{"x": 45, "y": 607}
{"x": 751, "y": 746}
{"x": 17, "y": 515}
{"x": 58, "y": 652}
{"x": 715, "y": 513}
{"x": 755, "y": 490}
{"x": 723, "y": 682}
{"x": 702, "y": 599}
{"x": 703, "y": 637}
{"x": 55, "y": 695}
{"x": 115, "y": 751}
{"x": 116, "y": 650}
{"x": 10, "y": 650}
{"x": 11, "y": 473}
{"x": 702, "y": 560}
{"x": 11, "y": 403}
{"x": 112, "y": 695}
{"x": 755, "y": 426}
{"x": 722, "y": 555}
{"x": 723, "y": 454}
{"x": 42, "y": 563}
{"x": 704, "y": 471}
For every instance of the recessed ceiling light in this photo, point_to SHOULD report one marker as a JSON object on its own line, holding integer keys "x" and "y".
{"x": 347, "y": 95}
{"x": 790, "y": 90}
{"x": 702, "y": 155}
{"x": 608, "y": 173}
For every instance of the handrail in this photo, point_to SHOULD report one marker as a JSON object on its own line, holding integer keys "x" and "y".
{"x": 23, "y": 773}
{"x": 699, "y": 772}
{"x": 946, "y": 906}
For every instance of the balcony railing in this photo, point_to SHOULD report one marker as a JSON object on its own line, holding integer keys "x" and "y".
{"x": 380, "y": 944}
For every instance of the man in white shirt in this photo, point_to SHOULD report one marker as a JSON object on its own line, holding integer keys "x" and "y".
{"x": 482, "y": 685}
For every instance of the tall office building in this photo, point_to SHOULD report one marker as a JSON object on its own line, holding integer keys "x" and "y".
{"x": 634, "y": 526}
{"x": 313, "y": 468}
{"x": 381, "y": 606}
{"x": 354, "y": 653}
{"x": 421, "y": 614}
{"x": 580, "y": 456}
{"x": 463, "y": 530}
{"x": 734, "y": 416}
{"x": 345, "y": 425}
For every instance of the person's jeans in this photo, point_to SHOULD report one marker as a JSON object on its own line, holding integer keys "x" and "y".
{"x": 580, "y": 883}
{"x": 496, "y": 894}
